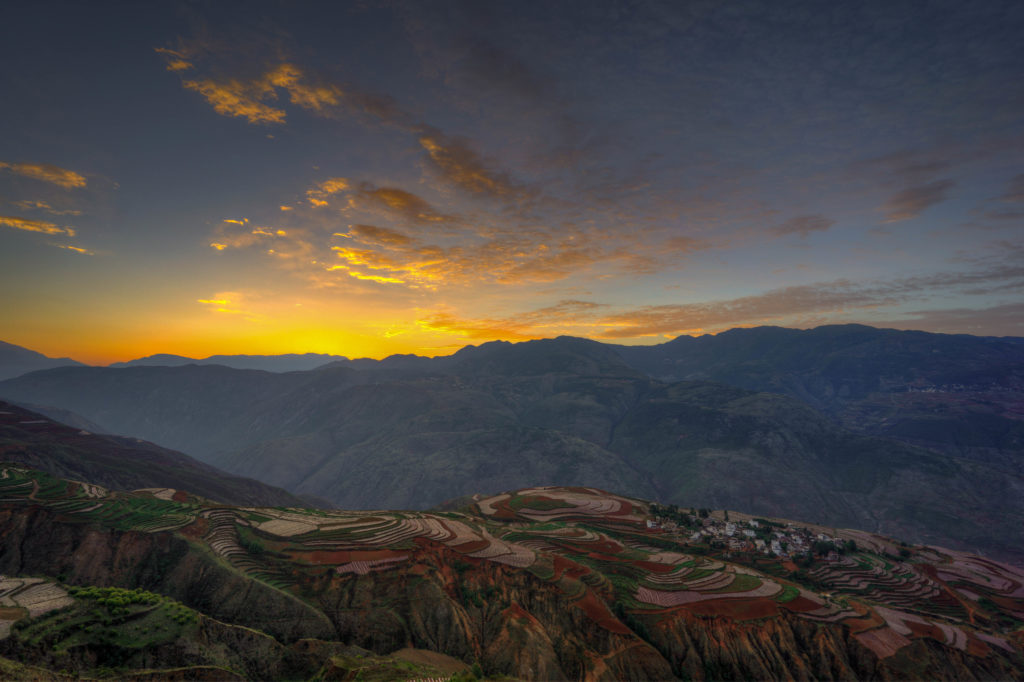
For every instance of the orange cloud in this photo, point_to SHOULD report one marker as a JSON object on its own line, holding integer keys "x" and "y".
{"x": 379, "y": 236}
{"x": 175, "y": 61}
{"x": 374, "y": 278}
{"x": 367, "y": 258}
{"x": 63, "y": 177}
{"x": 228, "y": 303}
{"x": 482, "y": 329}
{"x": 30, "y": 225}
{"x": 240, "y": 99}
{"x": 568, "y": 316}
{"x": 247, "y": 98}
{"x": 76, "y": 249}
{"x": 314, "y": 97}
{"x": 397, "y": 201}
{"x": 318, "y": 195}
{"x": 43, "y": 206}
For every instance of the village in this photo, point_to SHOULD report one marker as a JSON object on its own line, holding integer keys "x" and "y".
{"x": 746, "y": 534}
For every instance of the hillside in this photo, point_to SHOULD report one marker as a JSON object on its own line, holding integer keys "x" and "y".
{"x": 544, "y": 583}
{"x": 120, "y": 463}
{"x": 562, "y": 411}
{"x": 957, "y": 394}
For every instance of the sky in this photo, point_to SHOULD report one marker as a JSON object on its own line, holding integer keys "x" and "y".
{"x": 368, "y": 178}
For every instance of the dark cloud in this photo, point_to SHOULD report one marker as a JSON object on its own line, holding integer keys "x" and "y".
{"x": 911, "y": 166}
{"x": 399, "y": 202}
{"x": 1000, "y": 320}
{"x": 458, "y": 163}
{"x": 682, "y": 245}
{"x": 803, "y": 225}
{"x": 1014, "y": 190}
{"x": 911, "y": 202}
{"x": 487, "y": 65}
{"x": 377, "y": 236}
{"x": 821, "y": 302}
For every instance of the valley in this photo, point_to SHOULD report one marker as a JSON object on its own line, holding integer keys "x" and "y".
{"x": 818, "y": 425}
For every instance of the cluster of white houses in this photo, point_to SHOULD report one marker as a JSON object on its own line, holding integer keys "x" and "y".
{"x": 749, "y": 535}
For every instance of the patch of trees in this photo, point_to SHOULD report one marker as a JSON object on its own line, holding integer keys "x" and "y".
{"x": 672, "y": 512}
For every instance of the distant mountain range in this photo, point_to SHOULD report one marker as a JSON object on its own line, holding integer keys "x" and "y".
{"x": 410, "y": 432}
{"x": 268, "y": 363}
{"x": 15, "y": 361}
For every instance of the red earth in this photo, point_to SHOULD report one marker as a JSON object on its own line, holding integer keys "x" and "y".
{"x": 737, "y": 609}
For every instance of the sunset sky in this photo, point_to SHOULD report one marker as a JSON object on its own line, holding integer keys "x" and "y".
{"x": 368, "y": 178}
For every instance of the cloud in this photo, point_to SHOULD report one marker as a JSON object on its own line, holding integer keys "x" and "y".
{"x": 460, "y": 165}
{"x": 174, "y": 60}
{"x": 248, "y": 97}
{"x": 682, "y": 245}
{"x": 257, "y": 99}
{"x": 803, "y": 225}
{"x": 911, "y": 202}
{"x": 367, "y": 277}
{"x": 240, "y": 99}
{"x": 392, "y": 201}
{"x": 318, "y": 195}
{"x": 397, "y": 201}
{"x": 377, "y": 236}
{"x": 43, "y": 206}
{"x": 63, "y": 177}
{"x": 912, "y": 166}
{"x": 839, "y": 296}
{"x": 234, "y": 234}
{"x": 317, "y": 98}
{"x": 1000, "y": 320}
{"x": 229, "y": 303}
{"x": 29, "y": 225}
{"x": 566, "y": 316}
{"x": 823, "y": 302}
{"x": 487, "y": 329}
{"x": 76, "y": 249}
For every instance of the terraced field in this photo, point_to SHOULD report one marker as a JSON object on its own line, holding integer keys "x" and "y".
{"x": 28, "y": 597}
{"x": 593, "y": 546}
